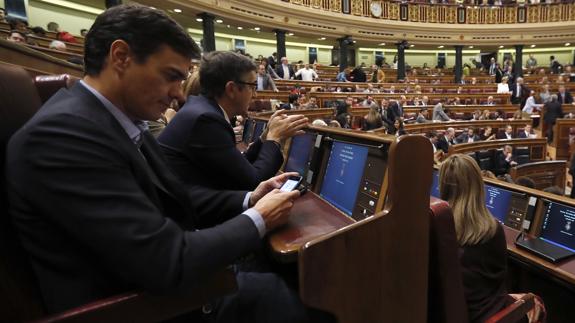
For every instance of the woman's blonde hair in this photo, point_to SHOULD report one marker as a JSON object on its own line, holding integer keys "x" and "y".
{"x": 461, "y": 184}
{"x": 373, "y": 115}
{"x": 191, "y": 85}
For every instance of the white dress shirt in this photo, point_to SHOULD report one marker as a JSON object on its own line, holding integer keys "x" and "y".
{"x": 306, "y": 74}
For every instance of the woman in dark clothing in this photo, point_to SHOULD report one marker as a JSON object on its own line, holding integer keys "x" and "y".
{"x": 372, "y": 120}
{"x": 481, "y": 238}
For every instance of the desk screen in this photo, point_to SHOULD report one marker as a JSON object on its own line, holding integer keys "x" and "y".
{"x": 498, "y": 202}
{"x": 299, "y": 153}
{"x": 343, "y": 174}
{"x": 435, "y": 185}
{"x": 248, "y": 130}
{"x": 258, "y": 129}
{"x": 559, "y": 225}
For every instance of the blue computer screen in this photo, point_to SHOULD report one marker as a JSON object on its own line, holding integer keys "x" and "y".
{"x": 435, "y": 185}
{"x": 299, "y": 152}
{"x": 343, "y": 174}
{"x": 497, "y": 201}
{"x": 559, "y": 225}
{"x": 247, "y": 131}
{"x": 258, "y": 129}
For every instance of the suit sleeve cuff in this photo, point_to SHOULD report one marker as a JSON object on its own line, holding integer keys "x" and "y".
{"x": 258, "y": 220}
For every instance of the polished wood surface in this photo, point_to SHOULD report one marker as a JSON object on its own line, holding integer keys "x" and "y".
{"x": 361, "y": 273}
{"x": 475, "y": 124}
{"x": 28, "y": 58}
{"x": 544, "y": 174}
{"x": 561, "y": 137}
{"x": 538, "y": 146}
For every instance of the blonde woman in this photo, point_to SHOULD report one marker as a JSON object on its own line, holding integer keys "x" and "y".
{"x": 372, "y": 120}
{"x": 480, "y": 237}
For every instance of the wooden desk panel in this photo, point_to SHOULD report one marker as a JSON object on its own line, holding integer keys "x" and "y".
{"x": 561, "y": 136}
{"x": 544, "y": 174}
{"x": 311, "y": 217}
{"x": 538, "y": 146}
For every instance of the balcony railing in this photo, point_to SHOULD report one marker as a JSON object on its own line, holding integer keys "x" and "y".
{"x": 448, "y": 13}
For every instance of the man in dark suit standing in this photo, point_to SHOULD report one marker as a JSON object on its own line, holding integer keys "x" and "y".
{"x": 563, "y": 96}
{"x": 284, "y": 70}
{"x": 519, "y": 93}
{"x": 97, "y": 208}
{"x": 553, "y": 110}
{"x": 199, "y": 142}
{"x": 272, "y": 60}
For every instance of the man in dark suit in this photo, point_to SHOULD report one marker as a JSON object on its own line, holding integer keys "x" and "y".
{"x": 519, "y": 93}
{"x": 97, "y": 208}
{"x": 553, "y": 110}
{"x": 507, "y": 134}
{"x": 504, "y": 160}
{"x": 284, "y": 70}
{"x": 527, "y": 132}
{"x": 446, "y": 139}
{"x": 272, "y": 60}
{"x": 563, "y": 96}
{"x": 468, "y": 137}
{"x": 199, "y": 142}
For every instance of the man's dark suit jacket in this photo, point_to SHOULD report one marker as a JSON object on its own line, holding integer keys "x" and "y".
{"x": 280, "y": 71}
{"x": 522, "y": 134}
{"x": 443, "y": 144}
{"x": 99, "y": 216}
{"x": 519, "y": 98}
{"x": 568, "y": 97}
{"x": 501, "y": 135}
{"x": 200, "y": 147}
{"x": 464, "y": 138}
{"x": 394, "y": 112}
{"x": 553, "y": 110}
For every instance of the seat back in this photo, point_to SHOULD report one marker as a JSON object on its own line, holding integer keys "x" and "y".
{"x": 485, "y": 159}
{"x": 446, "y": 301}
{"x": 19, "y": 295}
{"x": 47, "y": 85}
{"x": 515, "y": 312}
{"x": 522, "y": 155}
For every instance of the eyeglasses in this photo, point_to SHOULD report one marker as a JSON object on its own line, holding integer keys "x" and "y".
{"x": 253, "y": 85}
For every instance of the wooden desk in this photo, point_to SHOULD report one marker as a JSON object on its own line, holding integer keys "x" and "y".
{"x": 561, "y": 138}
{"x": 544, "y": 174}
{"x": 537, "y": 146}
{"x": 475, "y": 124}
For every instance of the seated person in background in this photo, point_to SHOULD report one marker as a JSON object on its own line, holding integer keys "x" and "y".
{"x": 319, "y": 123}
{"x": 500, "y": 115}
{"x": 90, "y": 202}
{"x": 490, "y": 101}
{"x": 391, "y": 90}
{"x": 265, "y": 81}
{"x": 525, "y": 181}
{"x": 369, "y": 102}
{"x": 483, "y": 250}
{"x": 422, "y": 116}
{"x": 199, "y": 143}
{"x": 437, "y": 153}
{"x": 527, "y": 132}
{"x": 372, "y": 120}
{"x": 476, "y": 115}
{"x": 468, "y": 136}
{"x": 311, "y": 103}
{"x": 58, "y": 45}
{"x": 293, "y": 102}
{"x": 344, "y": 120}
{"x": 343, "y": 76}
{"x": 487, "y": 134}
{"x": 17, "y": 36}
{"x": 504, "y": 160}
{"x": 439, "y": 114}
{"x": 507, "y": 134}
{"x": 488, "y": 174}
{"x": 545, "y": 94}
{"x": 424, "y": 100}
{"x": 397, "y": 128}
{"x": 456, "y": 101}
{"x": 2, "y": 15}
{"x": 486, "y": 115}
{"x": 334, "y": 124}
{"x": 446, "y": 140}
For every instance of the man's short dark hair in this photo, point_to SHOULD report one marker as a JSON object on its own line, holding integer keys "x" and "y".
{"x": 144, "y": 29}
{"x": 19, "y": 33}
{"x": 219, "y": 68}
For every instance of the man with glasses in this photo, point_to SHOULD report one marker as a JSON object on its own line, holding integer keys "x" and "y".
{"x": 199, "y": 142}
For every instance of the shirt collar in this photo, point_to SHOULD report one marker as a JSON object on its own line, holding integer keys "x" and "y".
{"x": 133, "y": 128}
{"x": 225, "y": 114}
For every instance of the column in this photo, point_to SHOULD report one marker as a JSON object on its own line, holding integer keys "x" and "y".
{"x": 458, "y": 63}
{"x": 401, "y": 61}
{"x": 518, "y": 68}
{"x": 209, "y": 38}
{"x": 280, "y": 43}
{"x": 343, "y": 42}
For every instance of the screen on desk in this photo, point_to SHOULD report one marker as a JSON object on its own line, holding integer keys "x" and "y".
{"x": 497, "y": 201}
{"x": 299, "y": 153}
{"x": 258, "y": 129}
{"x": 248, "y": 129}
{"x": 435, "y": 184}
{"x": 559, "y": 225}
{"x": 343, "y": 174}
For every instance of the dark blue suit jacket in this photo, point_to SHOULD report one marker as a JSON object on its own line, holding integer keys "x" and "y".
{"x": 97, "y": 218}
{"x": 200, "y": 147}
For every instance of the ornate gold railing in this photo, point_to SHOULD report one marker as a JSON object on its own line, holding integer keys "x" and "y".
{"x": 446, "y": 13}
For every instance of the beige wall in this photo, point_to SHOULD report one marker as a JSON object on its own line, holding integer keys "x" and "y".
{"x": 563, "y": 55}
{"x": 40, "y": 14}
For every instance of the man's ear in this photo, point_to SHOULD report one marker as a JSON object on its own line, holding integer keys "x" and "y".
{"x": 230, "y": 89}
{"x": 120, "y": 55}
